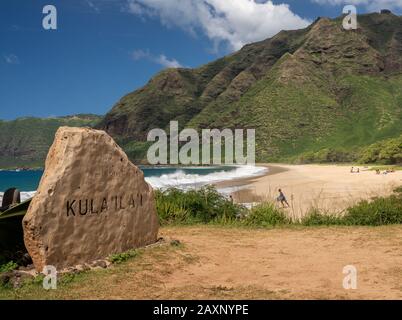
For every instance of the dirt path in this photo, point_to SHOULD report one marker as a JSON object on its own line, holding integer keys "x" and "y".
{"x": 229, "y": 263}
{"x": 301, "y": 264}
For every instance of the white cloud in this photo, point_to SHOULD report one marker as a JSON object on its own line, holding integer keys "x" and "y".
{"x": 11, "y": 59}
{"x": 168, "y": 63}
{"x": 140, "y": 54}
{"x": 369, "y": 4}
{"x": 234, "y": 22}
{"x": 161, "y": 59}
{"x": 93, "y": 6}
{"x": 102, "y": 6}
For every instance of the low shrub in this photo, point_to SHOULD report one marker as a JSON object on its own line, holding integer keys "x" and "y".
{"x": 123, "y": 257}
{"x": 387, "y": 152}
{"x": 10, "y": 266}
{"x": 398, "y": 190}
{"x": 205, "y": 205}
{"x": 266, "y": 214}
{"x": 317, "y": 218}
{"x": 170, "y": 212}
{"x": 380, "y": 211}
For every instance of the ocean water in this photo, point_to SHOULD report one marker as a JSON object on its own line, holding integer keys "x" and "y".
{"x": 157, "y": 177}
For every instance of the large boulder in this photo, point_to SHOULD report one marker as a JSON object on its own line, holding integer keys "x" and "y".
{"x": 91, "y": 202}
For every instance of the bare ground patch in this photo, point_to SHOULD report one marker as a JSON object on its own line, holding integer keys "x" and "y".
{"x": 233, "y": 263}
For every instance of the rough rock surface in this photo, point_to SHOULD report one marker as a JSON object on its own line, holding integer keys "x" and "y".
{"x": 91, "y": 202}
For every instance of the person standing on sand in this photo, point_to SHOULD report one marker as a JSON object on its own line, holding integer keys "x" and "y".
{"x": 282, "y": 199}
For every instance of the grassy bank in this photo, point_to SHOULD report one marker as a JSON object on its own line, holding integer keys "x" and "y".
{"x": 207, "y": 206}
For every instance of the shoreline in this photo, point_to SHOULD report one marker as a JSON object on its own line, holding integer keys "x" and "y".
{"x": 246, "y": 193}
{"x": 329, "y": 188}
{"x": 242, "y": 190}
{"x": 220, "y": 176}
{"x": 245, "y": 181}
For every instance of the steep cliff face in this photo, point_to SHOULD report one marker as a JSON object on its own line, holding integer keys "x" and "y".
{"x": 182, "y": 94}
{"x": 304, "y": 90}
{"x": 301, "y": 90}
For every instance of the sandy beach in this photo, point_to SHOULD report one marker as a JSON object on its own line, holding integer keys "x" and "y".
{"x": 330, "y": 188}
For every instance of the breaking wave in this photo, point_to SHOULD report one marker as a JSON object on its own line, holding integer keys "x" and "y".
{"x": 187, "y": 178}
{"x": 181, "y": 179}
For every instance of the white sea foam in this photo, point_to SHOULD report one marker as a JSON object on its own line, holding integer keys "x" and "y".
{"x": 24, "y": 195}
{"x": 180, "y": 179}
{"x": 27, "y": 195}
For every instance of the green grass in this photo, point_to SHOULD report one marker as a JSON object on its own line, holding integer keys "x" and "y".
{"x": 266, "y": 214}
{"x": 99, "y": 280}
{"x": 380, "y": 211}
{"x": 386, "y": 167}
{"x": 10, "y": 266}
{"x": 317, "y": 218}
{"x": 123, "y": 257}
{"x": 206, "y": 206}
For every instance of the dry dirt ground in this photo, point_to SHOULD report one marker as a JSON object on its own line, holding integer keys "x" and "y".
{"x": 233, "y": 263}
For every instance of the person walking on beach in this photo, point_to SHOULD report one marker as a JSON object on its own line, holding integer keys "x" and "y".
{"x": 282, "y": 199}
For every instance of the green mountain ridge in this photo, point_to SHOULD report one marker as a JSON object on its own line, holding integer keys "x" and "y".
{"x": 309, "y": 92}
{"x": 304, "y": 90}
{"x": 24, "y": 142}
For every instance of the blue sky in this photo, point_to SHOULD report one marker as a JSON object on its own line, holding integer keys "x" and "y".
{"x": 104, "y": 49}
